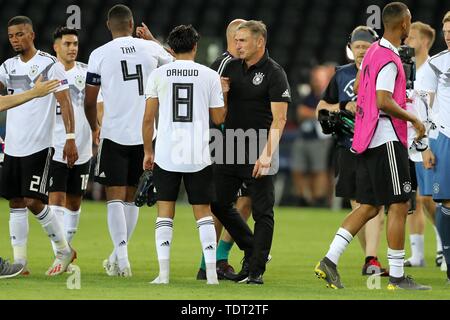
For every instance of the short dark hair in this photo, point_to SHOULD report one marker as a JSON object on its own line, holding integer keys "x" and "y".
{"x": 119, "y": 17}
{"x": 20, "y": 20}
{"x": 183, "y": 38}
{"x": 393, "y": 13}
{"x": 61, "y": 31}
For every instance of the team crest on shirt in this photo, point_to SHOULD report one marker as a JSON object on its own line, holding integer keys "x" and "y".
{"x": 79, "y": 81}
{"x": 258, "y": 78}
{"x": 436, "y": 188}
{"x": 33, "y": 70}
{"x": 407, "y": 187}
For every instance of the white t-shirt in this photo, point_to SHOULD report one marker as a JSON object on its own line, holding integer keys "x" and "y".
{"x": 186, "y": 91}
{"x": 29, "y": 127}
{"x": 437, "y": 80}
{"x": 385, "y": 81}
{"x": 76, "y": 78}
{"x": 121, "y": 67}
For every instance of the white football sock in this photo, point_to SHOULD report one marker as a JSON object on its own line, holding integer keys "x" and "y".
{"x": 118, "y": 231}
{"x": 338, "y": 245}
{"x": 417, "y": 248}
{"x": 18, "y": 231}
{"x": 163, "y": 241}
{"x": 208, "y": 240}
{"x": 59, "y": 214}
{"x": 54, "y": 229}
{"x": 438, "y": 240}
{"x": 131, "y": 217}
{"x": 396, "y": 259}
{"x": 71, "y": 220}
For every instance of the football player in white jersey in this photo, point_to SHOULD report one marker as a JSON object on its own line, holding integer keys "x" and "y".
{"x": 29, "y": 143}
{"x": 120, "y": 68}
{"x": 184, "y": 94}
{"x": 421, "y": 38}
{"x": 437, "y": 81}
{"x": 68, "y": 185}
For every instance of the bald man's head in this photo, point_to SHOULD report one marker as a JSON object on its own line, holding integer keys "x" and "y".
{"x": 232, "y": 27}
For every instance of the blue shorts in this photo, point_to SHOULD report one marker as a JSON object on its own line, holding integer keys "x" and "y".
{"x": 424, "y": 179}
{"x": 441, "y": 172}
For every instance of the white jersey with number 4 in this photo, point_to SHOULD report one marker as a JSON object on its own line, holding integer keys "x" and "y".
{"x": 121, "y": 67}
{"x": 186, "y": 91}
{"x": 29, "y": 127}
{"x": 76, "y": 78}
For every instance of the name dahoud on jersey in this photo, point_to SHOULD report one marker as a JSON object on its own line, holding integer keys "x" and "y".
{"x": 182, "y": 72}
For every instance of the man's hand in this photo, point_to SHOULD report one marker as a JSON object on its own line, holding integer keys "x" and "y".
{"x": 43, "y": 88}
{"x": 148, "y": 161}
{"x": 143, "y": 32}
{"x": 225, "y": 82}
{"x": 70, "y": 152}
{"x": 428, "y": 159}
{"x": 351, "y": 106}
{"x": 262, "y": 167}
{"x": 420, "y": 129}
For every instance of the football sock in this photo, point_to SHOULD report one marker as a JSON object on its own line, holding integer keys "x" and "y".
{"x": 71, "y": 220}
{"x": 59, "y": 214}
{"x": 443, "y": 226}
{"x": 396, "y": 259}
{"x": 18, "y": 231}
{"x": 54, "y": 229}
{"x": 202, "y": 263}
{"x": 208, "y": 240}
{"x": 223, "y": 250}
{"x": 438, "y": 240}
{"x": 131, "y": 217}
{"x": 118, "y": 231}
{"x": 417, "y": 248}
{"x": 163, "y": 241}
{"x": 338, "y": 245}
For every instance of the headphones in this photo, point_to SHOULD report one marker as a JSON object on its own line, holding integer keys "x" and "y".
{"x": 363, "y": 33}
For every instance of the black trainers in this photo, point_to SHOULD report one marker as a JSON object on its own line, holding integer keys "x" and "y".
{"x": 406, "y": 283}
{"x": 255, "y": 279}
{"x": 201, "y": 274}
{"x": 225, "y": 270}
{"x": 327, "y": 271}
{"x": 243, "y": 274}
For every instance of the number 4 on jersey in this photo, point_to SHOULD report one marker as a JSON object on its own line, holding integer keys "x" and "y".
{"x": 133, "y": 76}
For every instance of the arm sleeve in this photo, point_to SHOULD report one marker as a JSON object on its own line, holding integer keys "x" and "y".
{"x": 331, "y": 94}
{"x": 151, "y": 90}
{"x": 216, "y": 97}
{"x": 279, "y": 90}
{"x": 430, "y": 77}
{"x": 93, "y": 76}
{"x": 57, "y": 72}
{"x": 386, "y": 78}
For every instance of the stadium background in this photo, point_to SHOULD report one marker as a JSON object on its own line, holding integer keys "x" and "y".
{"x": 302, "y": 34}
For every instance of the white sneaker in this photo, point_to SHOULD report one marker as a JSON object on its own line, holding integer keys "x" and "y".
{"x": 125, "y": 272}
{"x": 61, "y": 263}
{"x": 158, "y": 280}
{"x": 111, "y": 269}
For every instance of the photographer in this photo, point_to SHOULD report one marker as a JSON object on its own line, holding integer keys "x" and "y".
{"x": 340, "y": 96}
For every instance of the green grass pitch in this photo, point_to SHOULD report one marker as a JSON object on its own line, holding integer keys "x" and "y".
{"x": 301, "y": 238}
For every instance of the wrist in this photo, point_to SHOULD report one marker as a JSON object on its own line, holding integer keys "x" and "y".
{"x": 70, "y": 136}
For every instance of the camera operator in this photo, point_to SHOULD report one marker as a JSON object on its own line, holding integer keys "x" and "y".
{"x": 340, "y": 96}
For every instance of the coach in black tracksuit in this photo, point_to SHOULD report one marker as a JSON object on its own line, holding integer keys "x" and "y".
{"x": 257, "y": 102}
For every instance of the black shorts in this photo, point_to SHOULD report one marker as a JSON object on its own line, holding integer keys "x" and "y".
{"x": 345, "y": 171}
{"x": 118, "y": 165}
{"x": 69, "y": 180}
{"x": 26, "y": 177}
{"x": 243, "y": 191}
{"x": 198, "y": 185}
{"x": 382, "y": 175}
